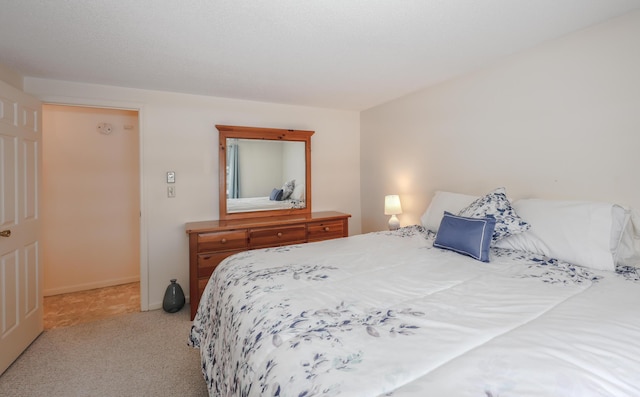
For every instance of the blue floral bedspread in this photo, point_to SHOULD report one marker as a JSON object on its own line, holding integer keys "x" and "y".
{"x": 386, "y": 314}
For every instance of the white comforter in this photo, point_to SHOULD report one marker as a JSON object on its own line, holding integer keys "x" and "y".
{"x": 387, "y": 314}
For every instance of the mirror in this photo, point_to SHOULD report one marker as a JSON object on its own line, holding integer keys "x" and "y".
{"x": 263, "y": 172}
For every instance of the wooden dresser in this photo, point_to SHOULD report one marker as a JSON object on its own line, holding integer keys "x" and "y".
{"x": 212, "y": 241}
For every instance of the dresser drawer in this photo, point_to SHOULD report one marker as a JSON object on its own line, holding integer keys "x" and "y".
{"x": 222, "y": 241}
{"x": 275, "y": 236}
{"x": 325, "y": 230}
{"x": 208, "y": 261}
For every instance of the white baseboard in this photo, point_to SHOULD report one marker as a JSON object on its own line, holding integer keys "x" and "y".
{"x": 94, "y": 285}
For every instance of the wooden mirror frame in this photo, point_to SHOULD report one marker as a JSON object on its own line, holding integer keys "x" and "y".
{"x": 275, "y": 134}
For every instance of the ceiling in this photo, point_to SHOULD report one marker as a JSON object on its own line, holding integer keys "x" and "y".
{"x": 341, "y": 54}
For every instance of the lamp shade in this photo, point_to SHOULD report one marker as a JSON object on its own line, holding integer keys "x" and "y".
{"x": 392, "y": 205}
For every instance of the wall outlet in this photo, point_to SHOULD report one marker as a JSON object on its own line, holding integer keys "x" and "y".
{"x": 171, "y": 191}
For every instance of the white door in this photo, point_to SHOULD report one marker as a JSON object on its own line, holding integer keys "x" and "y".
{"x": 21, "y": 314}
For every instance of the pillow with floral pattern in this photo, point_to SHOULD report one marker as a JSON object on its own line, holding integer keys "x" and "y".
{"x": 287, "y": 189}
{"x": 497, "y": 204}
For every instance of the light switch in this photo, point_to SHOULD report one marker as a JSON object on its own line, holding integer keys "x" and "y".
{"x": 171, "y": 177}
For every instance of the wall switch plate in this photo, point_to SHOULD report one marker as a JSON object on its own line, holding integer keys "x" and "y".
{"x": 171, "y": 191}
{"x": 171, "y": 177}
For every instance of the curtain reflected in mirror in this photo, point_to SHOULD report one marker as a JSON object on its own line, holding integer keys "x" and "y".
{"x": 233, "y": 173}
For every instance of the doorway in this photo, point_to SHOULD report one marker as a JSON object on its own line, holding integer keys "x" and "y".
{"x": 90, "y": 206}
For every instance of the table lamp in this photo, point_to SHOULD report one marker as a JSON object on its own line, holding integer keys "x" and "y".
{"x": 392, "y": 207}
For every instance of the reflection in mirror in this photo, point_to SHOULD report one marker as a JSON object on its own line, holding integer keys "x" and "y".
{"x": 264, "y": 172}
{"x": 257, "y": 170}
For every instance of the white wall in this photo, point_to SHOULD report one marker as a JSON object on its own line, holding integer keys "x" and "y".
{"x": 561, "y": 120}
{"x": 90, "y": 199}
{"x": 260, "y": 167}
{"x": 293, "y": 164}
{"x": 178, "y": 134}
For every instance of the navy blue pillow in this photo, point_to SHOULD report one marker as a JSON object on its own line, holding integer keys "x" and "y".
{"x": 276, "y": 194}
{"x": 468, "y": 236}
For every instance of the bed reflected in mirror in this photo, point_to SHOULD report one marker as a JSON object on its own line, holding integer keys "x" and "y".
{"x": 264, "y": 172}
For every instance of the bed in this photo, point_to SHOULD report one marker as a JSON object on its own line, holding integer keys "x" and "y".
{"x": 261, "y": 204}
{"x": 291, "y": 195}
{"x": 402, "y": 313}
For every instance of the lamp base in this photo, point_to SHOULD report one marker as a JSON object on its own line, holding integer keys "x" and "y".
{"x": 394, "y": 223}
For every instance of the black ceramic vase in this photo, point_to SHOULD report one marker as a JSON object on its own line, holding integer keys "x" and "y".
{"x": 173, "y": 297}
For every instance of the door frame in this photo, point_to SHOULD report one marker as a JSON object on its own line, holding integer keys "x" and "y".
{"x": 132, "y": 106}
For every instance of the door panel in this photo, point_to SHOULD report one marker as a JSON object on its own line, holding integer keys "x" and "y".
{"x": 9, "y": 265}
{"x": 20, "y": 268}
{"x": 32, "y": 268}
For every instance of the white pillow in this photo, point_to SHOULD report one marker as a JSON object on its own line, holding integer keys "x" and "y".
{"x": 580, "y": 232}
{"x": 620, "y": 219}
{"x": 441, "y": 202}
{"x": 525, "y": 241}
{"x": 298, "y": 193}
{"x": 628, "y": 249}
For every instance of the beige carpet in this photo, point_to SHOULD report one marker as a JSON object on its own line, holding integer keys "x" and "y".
{"x": 137, "y": 354}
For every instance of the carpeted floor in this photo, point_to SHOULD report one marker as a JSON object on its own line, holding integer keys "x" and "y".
{"x": 137, "y": 354}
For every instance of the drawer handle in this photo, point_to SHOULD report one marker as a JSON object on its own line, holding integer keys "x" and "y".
{"x": 326, "y": 228}
{"x": 279, "y": 234}
{"x": 223, "y": 241}
{"x": 206, "y": 258}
